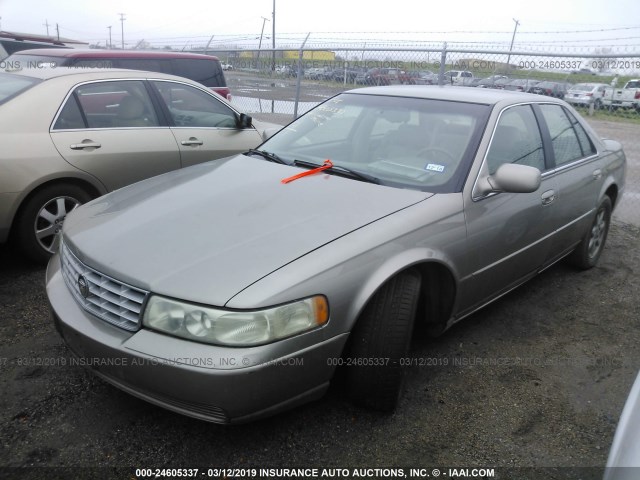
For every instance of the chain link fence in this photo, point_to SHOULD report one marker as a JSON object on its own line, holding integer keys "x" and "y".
{"x": 279, "y": 85}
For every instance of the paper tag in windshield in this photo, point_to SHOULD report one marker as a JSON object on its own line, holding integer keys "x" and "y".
{"x": 434, "y": 167}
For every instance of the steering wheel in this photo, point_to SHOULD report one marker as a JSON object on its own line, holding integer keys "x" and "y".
{"x": 440, "y": 157}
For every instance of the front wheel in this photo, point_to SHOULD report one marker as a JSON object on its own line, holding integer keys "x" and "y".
{"x": 41, "y": 217}
{"x": 379, "y": 341}
{"x": 588, "y": 251}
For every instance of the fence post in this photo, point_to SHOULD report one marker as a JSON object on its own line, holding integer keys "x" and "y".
{"x": 299, "y": 77}
{"x": 443, "y": 60}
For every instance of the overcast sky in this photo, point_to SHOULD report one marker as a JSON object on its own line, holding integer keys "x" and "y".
{"x": 612, "y": 22}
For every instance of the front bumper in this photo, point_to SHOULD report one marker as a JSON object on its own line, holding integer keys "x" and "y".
{"x": 217, "y": 384}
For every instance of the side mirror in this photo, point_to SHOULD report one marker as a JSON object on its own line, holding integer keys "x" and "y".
{"x": 267, "y": 133}
{"x": 244, "y": 121}
{"x": 511, "y": 178}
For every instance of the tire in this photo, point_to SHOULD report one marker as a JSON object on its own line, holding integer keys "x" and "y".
{"x": 379, "y": 340}
{"x": 588, "y": 251}
{"x": 598, "y": 104}
{"x": 41, "y": 216}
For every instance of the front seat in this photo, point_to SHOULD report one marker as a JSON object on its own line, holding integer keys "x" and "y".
{"x": 132, "y": 113}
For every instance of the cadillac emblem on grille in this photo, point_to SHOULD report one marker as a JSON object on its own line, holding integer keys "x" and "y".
{"x": 83, "y": 286}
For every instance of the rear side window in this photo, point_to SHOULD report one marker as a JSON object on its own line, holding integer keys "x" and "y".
{"x": 93, "y": 63}
{"x": 122, "y": 104}
{"x": 162, "y": 65}
{"x": 205, "y": 71}
{"x": 12, "y": 85}
{"x": 570, "y": 141}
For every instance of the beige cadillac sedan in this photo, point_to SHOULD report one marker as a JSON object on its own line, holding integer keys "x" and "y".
{"x": 242, "y": 287}
{"x": 69, "y": 135}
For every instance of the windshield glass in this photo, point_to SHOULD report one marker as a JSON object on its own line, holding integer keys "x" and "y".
{"x": 12, "y": 85}
{"x": 404, "y": 142}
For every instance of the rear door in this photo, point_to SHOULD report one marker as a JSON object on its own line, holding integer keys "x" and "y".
{"x": 578, "y": 174}
{"x": 509, "y": 234}
{"x": 204, "y": 127}
{"x": 111, "y": 130}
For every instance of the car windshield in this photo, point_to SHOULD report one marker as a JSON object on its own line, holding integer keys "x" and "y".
{"x": 404, "y": 142}
{"x": 12, "y": 85}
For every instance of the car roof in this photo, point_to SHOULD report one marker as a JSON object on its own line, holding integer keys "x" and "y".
{"x": 485, "y": 96}
{"x": 88, "y": 74}
{"x": 97, "y": 53}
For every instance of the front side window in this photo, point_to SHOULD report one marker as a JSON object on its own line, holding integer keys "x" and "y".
{"x": 516, "y": 139}
{"x": 191, "y": 107}
{"x": 416, "y": 143}
{"x": 567, "y": 146}
{"x": 118, "y": 104}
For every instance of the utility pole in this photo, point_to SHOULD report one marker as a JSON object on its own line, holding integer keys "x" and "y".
{"x": 512, "y": 39}
{"x": 273, "y": 39}
{"x": 58, "y": 31}
{"x": 46, "y": 24}
{"x": 122, "y": 19}
{"x": 264, "y": 20}
{"x": 109, "y": 27}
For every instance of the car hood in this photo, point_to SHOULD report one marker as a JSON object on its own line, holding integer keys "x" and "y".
{"x": 207, "y": 232}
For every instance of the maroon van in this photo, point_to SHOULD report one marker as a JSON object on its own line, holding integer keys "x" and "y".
{"x": 205, "y": 69}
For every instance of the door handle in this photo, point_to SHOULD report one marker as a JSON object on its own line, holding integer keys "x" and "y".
{"x": 193, "y": 141}
{"x": 548, "y": 197}
{"x": 597, "y": 174}
{"x": 86, "y": 144}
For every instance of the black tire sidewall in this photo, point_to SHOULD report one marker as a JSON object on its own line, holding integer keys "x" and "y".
{"x": 383, "y": 332}
{"x": 580, "y": 256}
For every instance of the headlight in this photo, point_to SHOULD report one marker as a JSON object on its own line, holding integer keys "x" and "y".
{"x": 234, "y": 328}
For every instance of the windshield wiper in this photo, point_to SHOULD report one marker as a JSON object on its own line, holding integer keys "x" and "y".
{"x": 340, "y": 170}
{"x": 272, "y": 157}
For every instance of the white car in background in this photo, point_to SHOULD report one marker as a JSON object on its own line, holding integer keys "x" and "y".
{"x": 624, "y": 457}
{"x": 459, "y": 77}
{"x": 585, "y": 94}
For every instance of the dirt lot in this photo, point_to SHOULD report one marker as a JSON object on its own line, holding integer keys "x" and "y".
{"x": 537, "y": 379}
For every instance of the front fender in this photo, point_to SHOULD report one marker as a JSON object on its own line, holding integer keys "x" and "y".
{"x": 350, "y": 269}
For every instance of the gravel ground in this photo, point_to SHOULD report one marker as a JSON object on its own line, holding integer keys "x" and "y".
{"x": 537, "y": 379}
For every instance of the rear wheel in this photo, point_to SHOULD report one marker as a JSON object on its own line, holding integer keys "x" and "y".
{"x": 588, "y": 251}
{"x": 41, "y": 217}
{"x": 379, "y": 341}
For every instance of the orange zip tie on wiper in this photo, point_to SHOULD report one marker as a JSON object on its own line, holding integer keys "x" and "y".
{"x": 325, "y": 166}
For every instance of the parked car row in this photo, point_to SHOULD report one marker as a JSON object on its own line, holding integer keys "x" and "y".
{"x": 581, "y": 94}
